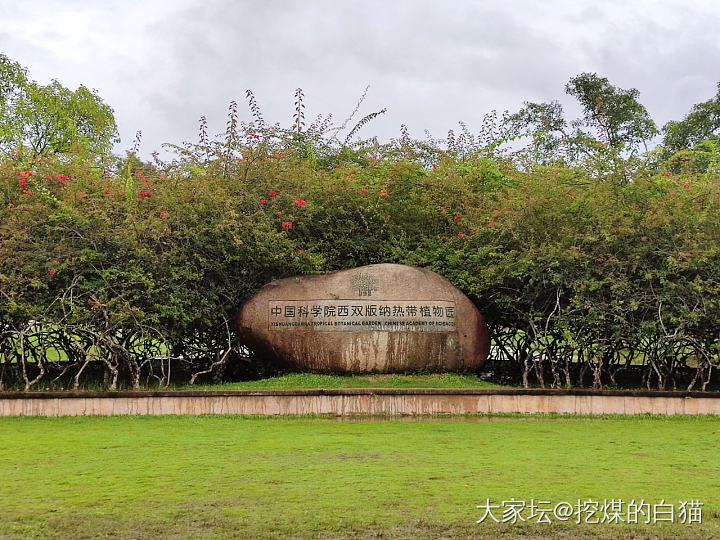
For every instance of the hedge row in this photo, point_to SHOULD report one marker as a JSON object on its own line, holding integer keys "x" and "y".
{"x": 139, "y": 270}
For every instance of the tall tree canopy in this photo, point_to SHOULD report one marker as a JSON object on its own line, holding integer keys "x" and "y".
{"x": 615, "y": 112}
{"x": 51, "y": 117}
{"x": 701, "y": 123}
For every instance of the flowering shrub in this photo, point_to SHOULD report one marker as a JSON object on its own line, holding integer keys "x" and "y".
{"x": 141, "y": 270}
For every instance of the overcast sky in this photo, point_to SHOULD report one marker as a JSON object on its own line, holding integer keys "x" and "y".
{"x": 161, "y": 64}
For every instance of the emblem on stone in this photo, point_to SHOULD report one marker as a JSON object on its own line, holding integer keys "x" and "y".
{"x": 364, "y": 283}
{"x": 395, "y": 318}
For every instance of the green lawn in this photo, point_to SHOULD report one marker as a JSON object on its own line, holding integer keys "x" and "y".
{"x": 311, "y": 380}
{"x": 224, "y": 476}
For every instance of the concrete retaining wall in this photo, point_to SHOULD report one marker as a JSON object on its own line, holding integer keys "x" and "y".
{"x": 340, "y": 402}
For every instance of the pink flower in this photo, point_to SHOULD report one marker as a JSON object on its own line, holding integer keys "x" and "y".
{"x": 384, "y": 192}
{"x": 300, "y": 202}
{"x": 388, "y": 216}
{"x": 435, "y": 167}
{"x": 164, "y": 214}
{"x": 263, "y": 201}
{"x": 667, "y": 174}
{"x": 287, "y": 225}
{"x": 52, "y": 271}
{"x": 456, "y": 218}
{"x": 460, "y": 233}
{"x": 279, "y": 212}
{"x": 272, "y": 193}
{"x": 686, "y": 185}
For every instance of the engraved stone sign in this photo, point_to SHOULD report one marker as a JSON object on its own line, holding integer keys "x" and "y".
{"x": 354, "y": 315}
{"x": 382, "y": 318}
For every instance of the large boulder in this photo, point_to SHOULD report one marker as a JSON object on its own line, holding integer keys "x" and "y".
{"x": 384, "y": 318}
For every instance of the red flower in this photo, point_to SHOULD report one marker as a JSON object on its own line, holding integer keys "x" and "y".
{"x": 388, "y": 216}
{"x": 164, "y": 214}
{"x": 362, "y": 190}
{"x": 108, "y": 192}
{"x": 279, "y": 156}
{"x": 272, "y": 193}
{"x": 52, "y": 271}
{"x": 286, "y": 225}
{"x": 686, "y": 185}
{"x": 63, "y": 178}
{"x": 146, "y": 193}
{"x": 435, "y": 167}
{"x": 300, "y": 202}
{"x": 263, "y": 201}
{"x": 633, "y": 206}
{"x": 373, "y": 160}
{"x": 279, "y": 212}
{"x": 460, "y": 233}
{"x": 456, "y": 218}
{"x": 23, "y": 183}
{"x": 667, "y": 174}
{"x": 383, "y": 192}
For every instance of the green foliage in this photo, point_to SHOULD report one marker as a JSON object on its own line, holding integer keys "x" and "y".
{"x": 615, "y": 112}
{"x": 51, "y": 117}
{"x": 702, "y": 122}
{"x": 584, "y": 268}
{"x": 614, "y": 124}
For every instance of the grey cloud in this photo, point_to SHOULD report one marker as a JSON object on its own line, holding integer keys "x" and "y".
{"x": 431, "y": 63}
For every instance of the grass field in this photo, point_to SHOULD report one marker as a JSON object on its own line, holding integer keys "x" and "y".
{"x": 311, "y": 380}
{"x": 223, "y": 476}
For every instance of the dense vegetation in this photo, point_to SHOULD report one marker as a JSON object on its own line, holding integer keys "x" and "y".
{"x": 588, "y": 253}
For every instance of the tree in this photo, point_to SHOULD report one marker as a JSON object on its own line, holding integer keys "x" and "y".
{"x": 701, "y": 123}
{"x": 621, "y": 120}
{"x": 547, "y": 126}
{"x": 51, "y": 117}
